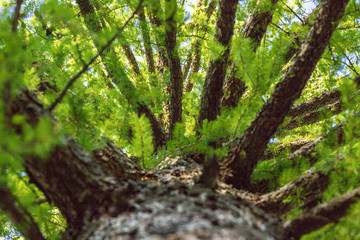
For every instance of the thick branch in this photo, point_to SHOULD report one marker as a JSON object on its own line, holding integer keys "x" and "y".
{"x": 255, "y": 29}
{"x": 313, "y": 117}
{"x": 176, "y": 78}
{"x": 18, "y": 215}
{"x": 243, "y": 158}
{"x": 315, "y": 103}
{"x": 320, "y": 216}
{"x": 131, "y": 58}
{"x": 291, "y": 51}
{"x": 212, "y": 89}
{"x": 313, "y": 183}
{"x": 16, "y": 17}
{"x": 84, "y": 184}
{"x": 291, "y": 147}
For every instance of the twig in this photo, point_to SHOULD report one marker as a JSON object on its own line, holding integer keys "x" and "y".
{"x": 85, "y": 67}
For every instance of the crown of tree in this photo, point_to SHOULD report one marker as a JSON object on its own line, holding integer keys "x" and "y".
{"x": 145, "y": 119}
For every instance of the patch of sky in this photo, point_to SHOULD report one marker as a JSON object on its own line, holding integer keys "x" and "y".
{"x": 273, "y": 140}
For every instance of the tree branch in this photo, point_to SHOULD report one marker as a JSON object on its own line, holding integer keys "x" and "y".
{"x": 313, "y": 117}
{"x": 212, "y": 89}
{"x": 18, "y": 215}
{"x": 176, "y": 77}
{"x": 320, "y": 216}
{"x": 146, "y": 39}
{"x": 312, "y": 183}
{"x": 255, "y": 29}
{"x": 249, "y": 147}
{"x": 315, "y": 103}
{"x": 16, "y": 17}
{"x": 84, "y": 184}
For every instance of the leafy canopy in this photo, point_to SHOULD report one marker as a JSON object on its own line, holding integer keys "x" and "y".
{"x": 53, "y": 44}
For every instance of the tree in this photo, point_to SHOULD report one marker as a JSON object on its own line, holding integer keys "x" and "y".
{"x": 139, "y": 119}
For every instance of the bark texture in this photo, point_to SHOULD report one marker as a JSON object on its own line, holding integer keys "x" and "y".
{"x": 254, "y": 29}
{"x": 98, "y": 205}
{"x": 212, "y": 89}
{"x": 250, "y": 146}
{"x": 320, "y": 216}
{"x": 176, "y": 78}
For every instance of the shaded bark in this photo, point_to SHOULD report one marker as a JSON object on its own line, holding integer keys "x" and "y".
{"x": 291, "y": 147}
{"x": 212, "y": 89}
{"x": 291, "y": 51}
{"x": 315, "y": 103}
{"x": 254, "y": 29}
{"x": 248, "y": 148}
{"x": 320, "y": 216}
{"x": 313, "y": 117}
{"x": 97, "y": 205}
{"x": 131, "y": 58}
{"x": 75, "y": 167}
{"x": 313, "y": 183}
{"x": 176, "y": 78}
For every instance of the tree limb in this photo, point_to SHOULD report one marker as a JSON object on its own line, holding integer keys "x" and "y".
{"x": 18, "y": 215}
{"x": 320, "y": 216}
{"x": 312, "y": 183}
{"x": 146, "y": 39}
{"x": 81, "y": 176}
{"x": 315, "y": 103}
{"x": 254, "y": 29}
{"x": 16, "y": 17}
{"x": 212, "y": 89}
{"x": 241, "y": 160}
{"x": 176, "y": 77}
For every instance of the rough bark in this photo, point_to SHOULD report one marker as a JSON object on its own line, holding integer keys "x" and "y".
{"x": 313, "y": 117}
{"x": 212, "y": 89}
{"x": 254, "y": 29}
{"x": 162, "y": 58}
{"x": 240, "y": 162}
{"x": 313, "y": 183}
{"x": 176, "y": 78}
{"x": 291, "y": 51}
{"x": 291, "y": 147}
{"x": 320, "y": 216}
{"x": 119, "y": 77}
{"x": 131, "y": 58}
{"x": 84, "y": 185}
{"x": 97, "y": 205}
{"x": 315, "y": 103}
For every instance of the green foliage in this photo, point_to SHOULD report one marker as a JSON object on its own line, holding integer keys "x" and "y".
{"x": 141, "y": 144}
{"x": 53, "y": 44}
